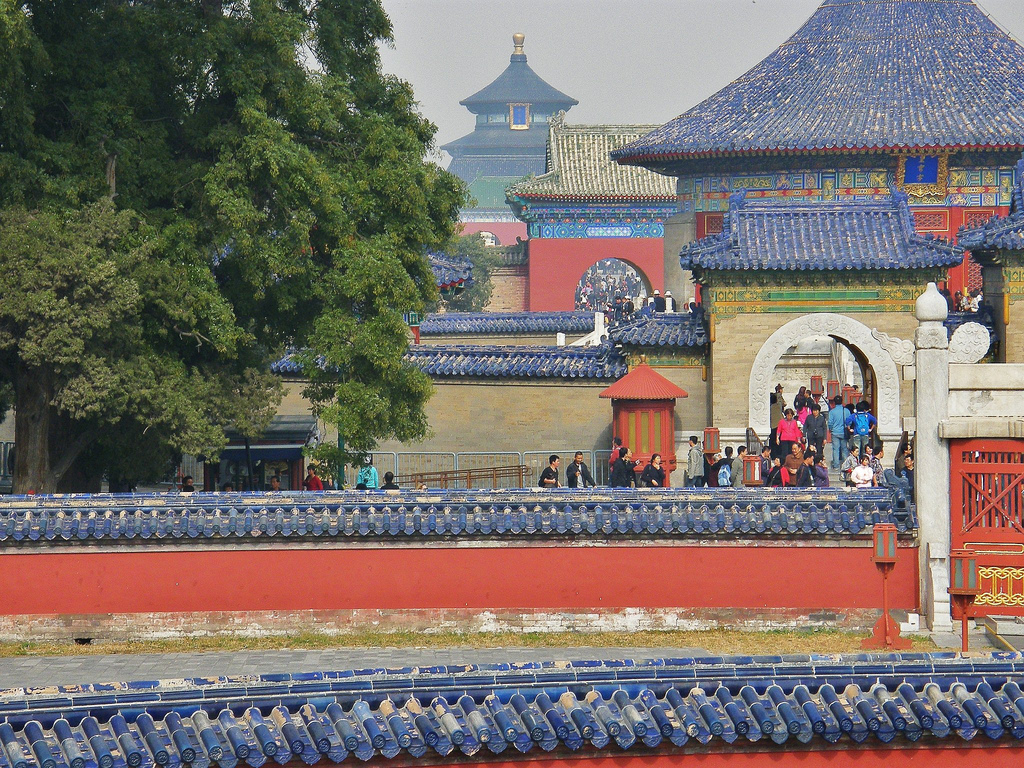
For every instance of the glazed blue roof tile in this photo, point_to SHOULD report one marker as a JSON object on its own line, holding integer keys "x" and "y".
{"x": 518, "y": 83}
{"x": 414, "y": 515}
{"x": 711, "y": 704}
{"x": 518, "y": 362}
{"x": 787, "y": 235}
{"x": 863, "y": 74}
{"x": 1000, "y": 233}
{"x": 662, "y": 329}
{"x": 506, "y": 323}
{"x": 451, "y": 271}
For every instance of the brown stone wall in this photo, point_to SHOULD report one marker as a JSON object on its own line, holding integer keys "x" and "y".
{"x": 514, "y": 416}
{"x": 509, "y": 289}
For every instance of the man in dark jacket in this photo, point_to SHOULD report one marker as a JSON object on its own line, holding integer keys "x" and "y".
{"x": 577, "y": 475}
{"x": 624, "y": 471}
{"x": 815, "y": 428}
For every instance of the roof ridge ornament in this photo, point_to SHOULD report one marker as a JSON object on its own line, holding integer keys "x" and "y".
{"x": 517, "y": 40}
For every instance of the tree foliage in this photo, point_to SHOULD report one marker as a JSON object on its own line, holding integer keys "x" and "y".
{"x": 485, "y": 259}
{"x": 188, "y": 187}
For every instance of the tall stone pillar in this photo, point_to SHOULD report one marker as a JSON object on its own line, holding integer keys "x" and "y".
{"x": 680, "y": 230}
{"x": 931, "y": 455}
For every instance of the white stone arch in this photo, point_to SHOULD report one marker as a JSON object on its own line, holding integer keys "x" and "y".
{"x": 842, "y": 328}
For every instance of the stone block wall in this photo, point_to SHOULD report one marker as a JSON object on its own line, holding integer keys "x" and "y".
{"x": 510, "y": 290}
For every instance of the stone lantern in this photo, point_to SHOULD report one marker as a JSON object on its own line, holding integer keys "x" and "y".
{"x": 643, "y": 414}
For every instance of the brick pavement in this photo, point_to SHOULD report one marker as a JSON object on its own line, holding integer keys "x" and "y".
{"x": 17, "y": 672}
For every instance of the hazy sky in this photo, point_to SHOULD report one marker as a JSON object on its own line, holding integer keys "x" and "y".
{"x": 625, "y": 61}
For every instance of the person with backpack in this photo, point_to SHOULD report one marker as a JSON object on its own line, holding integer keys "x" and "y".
{"x": 723, "y": 469}
{"x": 863, "y": 424}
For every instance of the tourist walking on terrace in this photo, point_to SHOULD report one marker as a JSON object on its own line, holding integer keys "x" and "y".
{"x": 549, "y": 475}
{"x": 837, "y": 428}
{"x": 389, "y": 482}
{"x": 776, "y": 409}
{"x": 788, "y": 434}
{"x": 821, "y": 478}
{"x": 723, "y": 468}
{"x": 737, "y": 467}
{"x": 577, "y": 475}
{"x": 805, "y": 474}
{"x": 694, "y": 463}
{"x": 311, "y": 482}
{"x": 863, "y": 424}
{"x": 862, "y": 476}
{"x": 624, "y": 471}
{"x": 794, "y": 460}
{"x": 815, "y": 428}
{"x": 367, "y": 476}
{"x": 774, "y": 477}
{"x": 849, "y": 463}
{"x": 653, "y": 475}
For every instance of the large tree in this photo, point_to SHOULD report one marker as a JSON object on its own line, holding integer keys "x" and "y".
{"x": 186, "y": 188}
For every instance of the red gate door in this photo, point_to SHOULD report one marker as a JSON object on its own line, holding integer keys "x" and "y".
{"x": 987, "y": 510}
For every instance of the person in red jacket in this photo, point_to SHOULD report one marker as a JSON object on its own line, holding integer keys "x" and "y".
{"x": 311, "y": 481}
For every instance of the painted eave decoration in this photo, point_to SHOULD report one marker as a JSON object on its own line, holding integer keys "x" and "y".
{"x": 1004, "y": 233}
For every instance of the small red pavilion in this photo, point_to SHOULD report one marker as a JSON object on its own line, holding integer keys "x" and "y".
{"x": 643, "y": 414}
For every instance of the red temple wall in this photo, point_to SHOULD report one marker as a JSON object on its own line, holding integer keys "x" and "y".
{"x": 786, "y": 576}
{"x": 557, "y": 264}
{"x": 993, "y": 755}
{"x": 505, "y": 231}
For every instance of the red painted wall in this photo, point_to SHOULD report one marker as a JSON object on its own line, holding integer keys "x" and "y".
{"x": 992, "y": 756}
{"x": 389, "y": 577}
{"x": 505, "y": 231}
{"x": 556, "y": 265}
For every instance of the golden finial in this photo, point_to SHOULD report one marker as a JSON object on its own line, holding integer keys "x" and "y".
{"x": 517, "y": 40}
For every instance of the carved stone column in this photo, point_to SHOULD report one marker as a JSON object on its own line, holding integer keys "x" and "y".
{"x": 931, "y": 455}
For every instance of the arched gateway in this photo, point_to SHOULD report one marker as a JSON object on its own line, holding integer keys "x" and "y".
{"x": 844, "y": 329}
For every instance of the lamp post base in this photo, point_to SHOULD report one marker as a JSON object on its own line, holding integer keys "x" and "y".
{"x": 886, "y": 634}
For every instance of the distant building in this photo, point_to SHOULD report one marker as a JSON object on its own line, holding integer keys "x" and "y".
{"x": 587, "y": 209}
{"x": 508, "y": 143}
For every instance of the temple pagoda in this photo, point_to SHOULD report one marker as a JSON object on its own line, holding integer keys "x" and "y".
{"x": 923, "y": 95}
{"x": 804, "y": 180}
{"x": 508, "y": 143}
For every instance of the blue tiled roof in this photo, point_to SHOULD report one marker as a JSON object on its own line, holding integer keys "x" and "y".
{"x": 712, "y": 704}
{"x": 1000, "y": 233}
{"x": 424, "y": 515}
{"x": 518, "y": 362}
{"x": 854, "y": 234}
{"x": 451, "y": 271}
{"x": 506, "y": 323}
{"x": 518, "y": 83}
{"x": 863, "y": 74}
{"x": 662, "y": 329}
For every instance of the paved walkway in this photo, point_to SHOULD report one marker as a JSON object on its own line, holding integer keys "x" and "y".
{"x": 22, "y": 671}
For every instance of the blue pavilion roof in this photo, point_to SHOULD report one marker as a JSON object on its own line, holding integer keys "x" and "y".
{"x": 517, "y": 84}
{"x": 789, "y": 235}
{"x": 662, "y": 329}
{"x": 709, "y": 704}
{"x": 1004, "y": 233}
{"x": 506, "y": 323}
{"x": 512, "y": 362}
{"x": 424, "y": 516}
{"x": 451, "y": 271}
{"x": 862, "y": 74}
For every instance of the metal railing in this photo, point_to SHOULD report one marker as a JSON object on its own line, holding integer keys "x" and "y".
{"x": 479, "y": 478}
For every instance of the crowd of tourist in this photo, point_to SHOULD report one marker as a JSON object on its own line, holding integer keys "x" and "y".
{"x": 605, "y": 283}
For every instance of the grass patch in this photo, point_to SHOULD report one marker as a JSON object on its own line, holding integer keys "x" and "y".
{"x": 719, "y": 641}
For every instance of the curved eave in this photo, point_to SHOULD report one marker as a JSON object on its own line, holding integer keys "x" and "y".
{"x": 609, "y": 198}
{"x": 691, "y": 264}
{"x": 626, "y": 158}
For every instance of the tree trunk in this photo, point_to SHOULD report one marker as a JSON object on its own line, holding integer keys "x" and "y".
{"x": 32, "y": 413}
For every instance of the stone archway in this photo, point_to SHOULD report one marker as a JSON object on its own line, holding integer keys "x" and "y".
{"x": 844, "y": 329}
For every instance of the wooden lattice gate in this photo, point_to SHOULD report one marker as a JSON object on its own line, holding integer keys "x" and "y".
{"x": 987, "y": 509}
